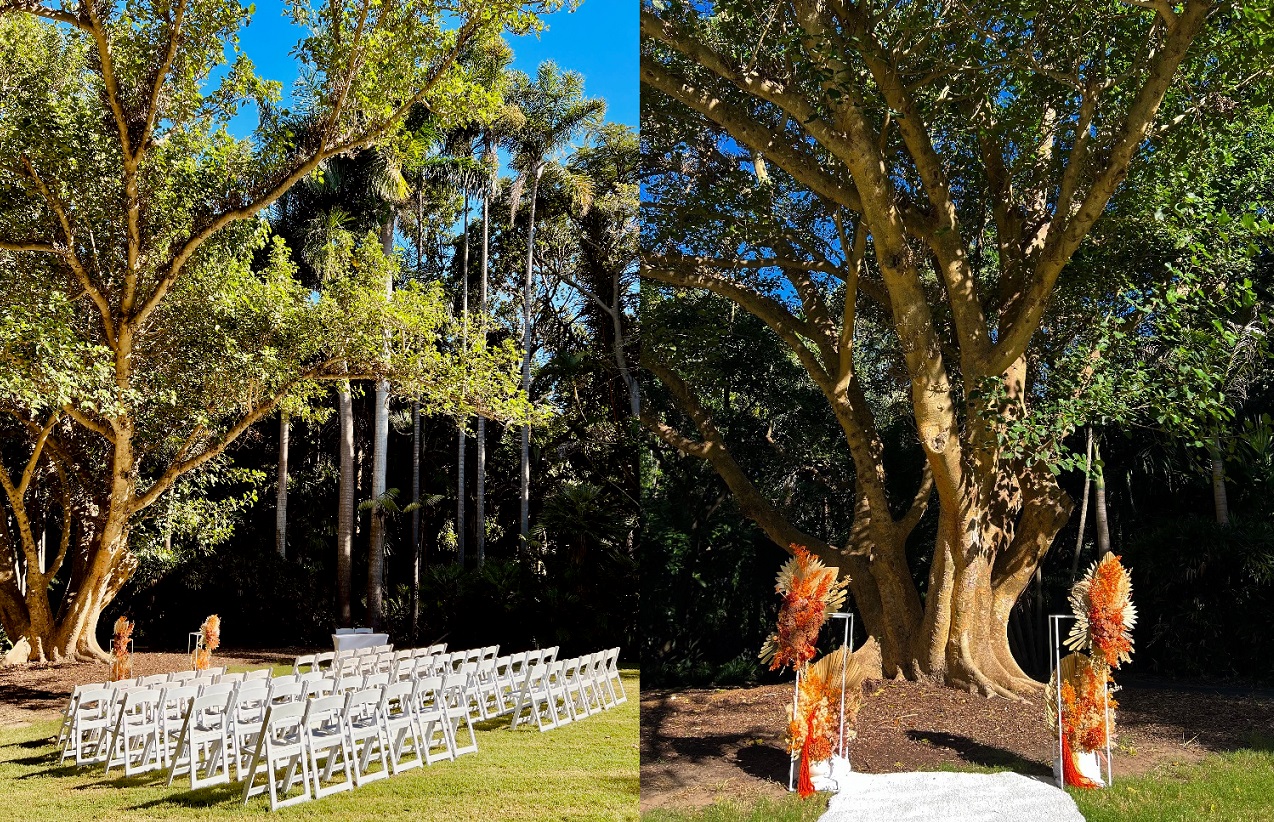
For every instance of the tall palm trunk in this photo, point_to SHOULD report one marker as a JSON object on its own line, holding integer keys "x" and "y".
{"x": 1220, "y": 500}
{"x": 345, "y": 508}
{"x": 380, "y": 440}
{"x": 1083, "y": 505}
{"x": 281, "y": 500}
{"x": 1103, "y": 525}
{"x": 464, "y": 302}
{"x": 524, "y": 520}
{"x": 481, "y": 531}
{"x": 415, "y": 518}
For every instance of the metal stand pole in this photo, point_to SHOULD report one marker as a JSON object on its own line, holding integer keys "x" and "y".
{"x": 848, "y": 633}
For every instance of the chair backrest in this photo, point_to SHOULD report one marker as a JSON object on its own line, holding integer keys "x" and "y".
{"x": 348, "y": 683}
{"x": 250, "y": 701}
{"x": 259, "y": 673}
{"x": 284, "y": 691}
{"x": 282, "y": 721}
{"x": 221, "y": 689}
{"x": 376, "y": 680}
{"x": 324, "y": 712}
{"x": 304, "y": 661}
{"x": 398, "y": 699}
{"x": 232, "y": 678}
{"x": 209, "y": 710}
{"x": 95, "y": 703}
{"x": 122, "y": 683}
{"x": 324, "y": 660}
{"x": 175, "y": 700}
{"x": 362, "y": 704}
{"x": 287, "y": 678}
{"x": 344, "y": 631}
{"x": 323, "y": 686}
{"x": 140, "y": 703}
{"x": 428, "y": 693}
{"x": 417, "y": 653}
{"x": 362, "y": 630}
{"x": 154, "y": 679}
{"x": 612, "y": 658}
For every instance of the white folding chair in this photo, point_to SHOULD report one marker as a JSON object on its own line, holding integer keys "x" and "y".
{"x": 305, "y": 661}
{"x": 348, "y": 682}
{"x": 592, "y": 677}
{"x": 559, "y": 697}
{"x": 134, "y": 741}
{"x": 533, "y": 696}
{"x": 258, "y": 673}
{"x": 248, "y": 707}
{"x": 204, "y": 742}
{"x": 91, "y": 725}
{"x": 365, "y": 734}
{"x": 432, "y": 727}
{"x": 68, "y": 717}
{"x": 456, "y": 700}
{"x": 280, "y": 747}
{"x": 174, "y": 704}
{"x": 323, "y": 728}
{"x": 398, "y": 718}
{"x": 323, "y": 661}
{"x": 613, "y": 679}
{"x": 580, "y": 703}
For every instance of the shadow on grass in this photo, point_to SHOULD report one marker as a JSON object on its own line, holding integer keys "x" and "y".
{"x": 976, "y": 753}
{"x": 201, "y": 798}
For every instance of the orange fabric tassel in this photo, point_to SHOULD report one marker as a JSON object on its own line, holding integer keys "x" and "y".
{"x": 1070, "y": 768}
{"x": 804, "y": 785}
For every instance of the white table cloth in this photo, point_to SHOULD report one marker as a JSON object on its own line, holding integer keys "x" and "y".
{"x": 341, "y": 642}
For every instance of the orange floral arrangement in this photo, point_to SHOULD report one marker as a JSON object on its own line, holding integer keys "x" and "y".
{"x": 1104, "y": 618}
{"x": 122, "y": 662}
{"x": 811, "y": 591}
{"x": 209, "y": 641}
{"x": 1104, "y": 613}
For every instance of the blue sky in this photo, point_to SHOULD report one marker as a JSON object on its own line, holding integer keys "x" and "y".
{"x": 599, "y": 40}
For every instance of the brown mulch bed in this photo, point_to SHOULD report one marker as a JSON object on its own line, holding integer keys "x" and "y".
{"x": 31, "y": 693}
{"x": 699, "y": 746}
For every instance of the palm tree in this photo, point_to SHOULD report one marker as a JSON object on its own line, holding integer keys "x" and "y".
{"x": 555, "y": 113}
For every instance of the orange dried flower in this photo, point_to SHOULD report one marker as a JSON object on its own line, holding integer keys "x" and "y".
{"x": 209, "y": 641}
{"x": 811, "y": 591}
{"x": 1104, "y": 613}
{"x": 122, "y": 664}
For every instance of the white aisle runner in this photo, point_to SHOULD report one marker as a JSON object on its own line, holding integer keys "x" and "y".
{"x": 949, "y": 797}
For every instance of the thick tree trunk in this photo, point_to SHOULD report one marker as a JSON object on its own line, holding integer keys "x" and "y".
{"x": 345, "y": 510}
{"x": 281, "y": 504}
{"x": 1220, "y": 501}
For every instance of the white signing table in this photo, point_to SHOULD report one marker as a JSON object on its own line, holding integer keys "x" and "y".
{"x": 341, "y": 642}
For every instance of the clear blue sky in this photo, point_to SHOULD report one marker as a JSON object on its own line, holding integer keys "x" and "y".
{"x": 599, "y": 40}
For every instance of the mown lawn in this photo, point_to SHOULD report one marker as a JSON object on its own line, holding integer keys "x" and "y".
{"x": 1230, "y": 787}
{"x": 587, "y": 770}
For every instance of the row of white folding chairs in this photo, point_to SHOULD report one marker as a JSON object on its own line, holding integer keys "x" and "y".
{"x": 208, "y": 676}
{"x": 309, "y": 663}
{"x": 402, "y": 725}
{"x": 139, "y": 727}
{"x": 563, "y": 691}
{"x": 254, "y": 724}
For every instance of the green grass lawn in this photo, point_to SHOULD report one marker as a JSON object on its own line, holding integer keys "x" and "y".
{"x": 1230, "y": 787}
{"x": 582, "y": 771}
